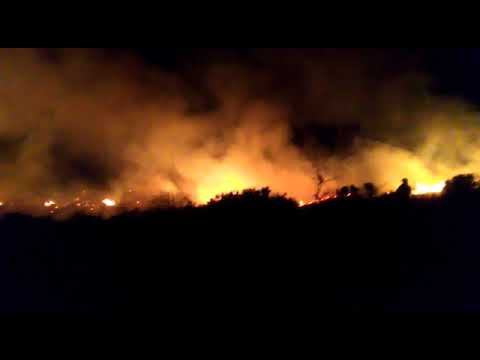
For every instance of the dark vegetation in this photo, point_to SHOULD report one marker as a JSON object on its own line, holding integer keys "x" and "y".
{"x": 252, "y": 254}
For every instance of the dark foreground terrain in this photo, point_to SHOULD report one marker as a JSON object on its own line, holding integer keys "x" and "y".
{"x": 248, "y": 259}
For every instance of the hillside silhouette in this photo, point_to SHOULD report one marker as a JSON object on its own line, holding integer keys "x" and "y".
{"x": 252, "y": 253}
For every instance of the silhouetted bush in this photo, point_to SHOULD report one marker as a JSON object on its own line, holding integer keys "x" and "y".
{"x": 354, "y": 191}
{"x": 460, "y": 185}
{"x": 370, "y": 190}
{"x": 343, "y": 192}
{"x": 253, "y": 198}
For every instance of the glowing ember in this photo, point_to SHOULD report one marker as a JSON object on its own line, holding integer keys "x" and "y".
{"x": 429, "y": 189}
{"x": 49, "y": 203}
{"x": 301, "y": 203}
{"x": 109, "y": 202}
{"x": 1, "y": 203}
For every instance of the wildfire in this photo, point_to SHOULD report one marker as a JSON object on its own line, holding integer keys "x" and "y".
{"x": 222, "y": 181}
{"x": 109, "y": 202}
{"x": 421, "y": 189}
{"x": 213, "y": 184}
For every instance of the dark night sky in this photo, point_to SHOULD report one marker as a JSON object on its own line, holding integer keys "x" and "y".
{"x": 453, "y": 71}
{"x": 456, "y": 71}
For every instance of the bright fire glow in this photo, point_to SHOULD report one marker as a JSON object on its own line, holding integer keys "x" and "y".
{"x": 429, "y": 188}
{"x": 49, "y": 203}
{"x": 214, "y": 183}
{"x": 109, "y": 202}
{"x": 222, "y": 181}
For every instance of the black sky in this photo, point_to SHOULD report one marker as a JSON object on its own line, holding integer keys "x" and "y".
{"x": 453, "y": 71}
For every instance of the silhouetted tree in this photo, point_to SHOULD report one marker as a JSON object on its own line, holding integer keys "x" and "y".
{"x": 460, "y": 185}
{"x": 404, "y": 190}
{"x": 320, "y": 182}
{"x": 370, "y": 190}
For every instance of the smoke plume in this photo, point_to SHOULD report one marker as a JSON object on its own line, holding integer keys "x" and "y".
{"x": 107, "y": 124}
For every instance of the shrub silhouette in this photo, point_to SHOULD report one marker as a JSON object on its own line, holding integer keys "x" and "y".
{"x": 354, "y": 191}
{"x": 343, "y": 192}
{"x": 460, "y": 185}
{"x": 252, "y": 198}
{"x": 370, "y": 190}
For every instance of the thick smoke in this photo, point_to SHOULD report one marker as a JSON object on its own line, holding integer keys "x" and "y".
{"x": 96, "y": 122}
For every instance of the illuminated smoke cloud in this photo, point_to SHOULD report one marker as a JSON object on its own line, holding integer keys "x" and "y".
{"x": 89, "y": 124}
